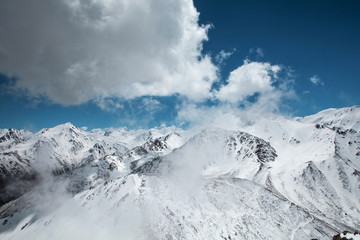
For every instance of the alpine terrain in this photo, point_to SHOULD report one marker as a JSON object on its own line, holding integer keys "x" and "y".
{"x": 272, "y": 178}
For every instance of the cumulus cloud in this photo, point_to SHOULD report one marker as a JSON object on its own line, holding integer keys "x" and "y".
{"x": 273, "y": 84}
{"x": 73, "y": 51}
{"x": 248, "y": 79}
{"x": 316, "y": 80}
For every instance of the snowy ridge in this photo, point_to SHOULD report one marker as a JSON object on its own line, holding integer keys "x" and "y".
{"x": 298, "y": 177}
{"x": 234, "y": 153}
{"x": 348, "y": 118}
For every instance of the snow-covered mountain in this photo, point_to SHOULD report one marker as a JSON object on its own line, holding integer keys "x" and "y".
{"x": 275, "y": 178}
{"x": 27, "y": 156}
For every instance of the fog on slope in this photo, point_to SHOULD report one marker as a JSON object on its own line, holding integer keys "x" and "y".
{"x": 298, "y": 177}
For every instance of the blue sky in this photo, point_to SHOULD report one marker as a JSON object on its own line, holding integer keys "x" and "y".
{"x": 84, "y": 64}
{"x": 311, "y": 37}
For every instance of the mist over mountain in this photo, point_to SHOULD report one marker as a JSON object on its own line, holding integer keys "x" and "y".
{"x": 261, "y": 178}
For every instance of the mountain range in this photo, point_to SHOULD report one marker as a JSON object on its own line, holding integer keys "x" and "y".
{"x": 271, "y": 178}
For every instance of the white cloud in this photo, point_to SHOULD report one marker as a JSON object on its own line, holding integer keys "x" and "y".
{"x": 274, "y": 84}
{"x": 227, "y": 116}
{"x": 257, "y": 52}
{"x": 248, "y": 79}
{"x": 73, "y": 51}
{"x": 223, "y": 55}
{"x": 316, "y": 80}
{"x": 84, "y": 128}
{"x": 151, "y": 105}
{"x": 108, "y": 104}
{"x": 200, "y": 116}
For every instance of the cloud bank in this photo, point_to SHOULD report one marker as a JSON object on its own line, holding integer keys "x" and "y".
{"x": 73, "y": 51}
{"x": 109, "y": 51}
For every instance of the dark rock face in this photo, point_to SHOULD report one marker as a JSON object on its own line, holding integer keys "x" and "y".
{"x": 264, "y": 151}
{"x": 156, "y": 145}
{"x": 97, "y": 148}
{"x": 112, "y": 166}
{"x": 150, "y": 167}
{"x": 254, "y": 145}
{"x": 345, "y": 233}
{"x": 11, "y": 134}
{"x": 13, "y": 187}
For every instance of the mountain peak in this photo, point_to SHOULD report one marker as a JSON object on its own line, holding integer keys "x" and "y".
{"x": 67, "y": 125}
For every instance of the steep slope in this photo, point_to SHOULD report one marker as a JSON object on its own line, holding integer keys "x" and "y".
{"x": 348, "y": 118}
{"x": 317, "y": 166}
